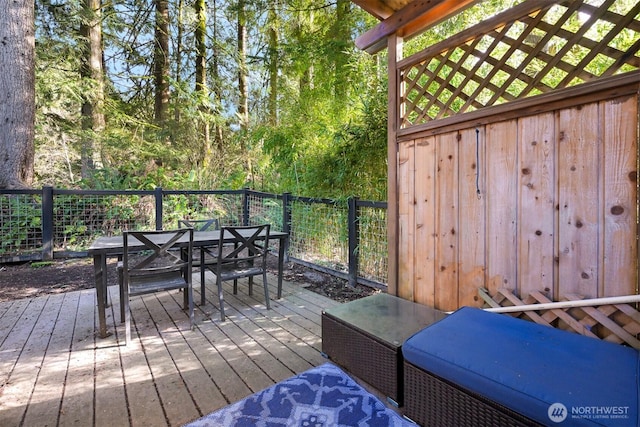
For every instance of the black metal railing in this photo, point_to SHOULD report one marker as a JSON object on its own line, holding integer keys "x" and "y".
{"x": 346, "y": 238}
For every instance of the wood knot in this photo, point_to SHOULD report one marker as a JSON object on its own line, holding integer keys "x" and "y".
{"x": 526, "y": 171}
{"x": 617, "y": 210}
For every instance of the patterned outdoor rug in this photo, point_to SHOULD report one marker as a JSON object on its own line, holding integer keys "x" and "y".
{"x": 320, "y": 397}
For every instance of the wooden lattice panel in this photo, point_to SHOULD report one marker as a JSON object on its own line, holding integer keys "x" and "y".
{"x": 619, "y": 323}
{"x": 534, "y": 48}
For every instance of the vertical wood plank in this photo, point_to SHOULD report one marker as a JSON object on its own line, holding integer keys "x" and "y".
{"x": 406, "y": 225}
{"x": 77, "y": 401}
{"x": 22, "y": 355}
{"x": 578, "y": 201}
{"x": 45, "y": 403}
{"x": 394, "y": 54}
{"x": 447, "y": 221}
{"x": 122, "y": 375}
{"x": 620, "y": 146}
{"x": 424, "y": 291}
{"x": 537, "y": 213}
{"x": 471, "y": 236}
{"x": 501, "y": 194}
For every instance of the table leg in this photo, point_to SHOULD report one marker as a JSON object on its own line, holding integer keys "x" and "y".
{"x": 281, "y": 246}
{"x": 100, "y": 276}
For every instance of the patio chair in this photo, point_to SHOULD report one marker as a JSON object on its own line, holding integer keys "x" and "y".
{"x": 201, "y": 225}
{"x": 162, "y": 263}
{"x": 248, "y": 258}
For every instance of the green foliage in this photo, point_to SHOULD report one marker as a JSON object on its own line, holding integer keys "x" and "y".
{"x": 322, "y": 104}
{"x": 20, "y": 224}
{"x": 40, "y": 264}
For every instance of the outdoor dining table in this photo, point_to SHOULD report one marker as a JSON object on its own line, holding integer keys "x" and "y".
{"x": 113, "y": 246}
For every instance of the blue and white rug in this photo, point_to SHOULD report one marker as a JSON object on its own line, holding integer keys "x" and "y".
{"x": 320, "y": 397}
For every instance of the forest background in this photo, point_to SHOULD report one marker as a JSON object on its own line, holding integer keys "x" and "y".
{"x": 208, "y": 94}
{"x": 204, "y": 94}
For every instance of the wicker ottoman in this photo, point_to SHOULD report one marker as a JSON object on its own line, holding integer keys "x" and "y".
{"x": 365, "y": 337}
{"x": 476, "y": 368}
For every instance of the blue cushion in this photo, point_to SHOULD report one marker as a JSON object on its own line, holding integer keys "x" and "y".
{"x": 531, "y": 368}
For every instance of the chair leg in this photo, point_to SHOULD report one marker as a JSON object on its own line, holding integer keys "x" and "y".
{"x": 266, "y": 290}
{"x": 202, "y": 273}
{"x": 220, "y": 298}
{"x": 235, "y": 286}
{"x": 121, "y": 289}
{"x": 189, "y": 291}
{"x": 127, "y": 317}
{"x": 250, "y": 285}
{"x": 185, "y": 298}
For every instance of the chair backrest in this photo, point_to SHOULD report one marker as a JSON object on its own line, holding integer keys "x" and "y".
{"x": 251, "y": 243}
{"x": 200, "y": 224}
{"x": 157, "y": 253}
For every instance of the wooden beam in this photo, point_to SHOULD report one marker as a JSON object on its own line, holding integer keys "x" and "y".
{"x": 393, "y": 105}
{"x": 409, "y": 21}
{"x": 377, "y": 8}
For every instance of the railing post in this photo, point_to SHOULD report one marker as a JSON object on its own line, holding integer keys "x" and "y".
{"x": 158, "y": 196}
{"x": 47, "y": 223}
{"x": 354, "y": 237}
{"x": 286, "y": 221}
{"x": 245, "y": 207}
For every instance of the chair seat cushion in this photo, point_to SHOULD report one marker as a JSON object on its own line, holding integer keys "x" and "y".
{"x": 531, "y": 368}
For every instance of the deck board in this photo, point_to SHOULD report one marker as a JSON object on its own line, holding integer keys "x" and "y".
{"x": 55, "y": 371}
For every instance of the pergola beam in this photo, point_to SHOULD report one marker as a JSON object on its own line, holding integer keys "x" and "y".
{"x": 377, "y": 8}
{"x": 412, "y": 19}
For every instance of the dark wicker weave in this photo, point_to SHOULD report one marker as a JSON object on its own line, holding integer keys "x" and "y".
{"x": 363, "y": 356}
{"x": 432, "y": 401}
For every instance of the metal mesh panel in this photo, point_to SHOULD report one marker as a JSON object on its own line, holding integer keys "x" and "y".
{"x": 79, "y": 219}
{"x": 226, "y": 207}
{"x": 265, "y": 209}
{"x": 373, "y": 248}
{"x": 319, "y": 229}
{"x": 20, "y": 224}
{"x": 319, "y": 233}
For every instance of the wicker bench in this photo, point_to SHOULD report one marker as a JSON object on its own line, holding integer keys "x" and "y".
{"x": 475, "y": 368}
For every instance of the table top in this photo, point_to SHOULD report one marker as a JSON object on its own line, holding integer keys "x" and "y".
{"x": 114, "y": 244}
{"x": 386, "y": 317}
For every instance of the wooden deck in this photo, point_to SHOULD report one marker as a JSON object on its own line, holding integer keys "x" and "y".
{"x": 56, "y": 371}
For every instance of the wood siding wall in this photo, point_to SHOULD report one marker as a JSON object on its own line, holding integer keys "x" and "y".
{"x": 556, "y": 212}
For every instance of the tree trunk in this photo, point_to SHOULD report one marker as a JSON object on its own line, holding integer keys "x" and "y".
{"x": 306, "y": 82}
{"x": 161, "y": 62}
{"x": 243, "y": 101}
{"x": 93, "y": 121}
{"x": 273, "y": 64}
{"x": 202, "y": 90}
{"x": 341, "y": 35}
{"x": 178, "y": 54}
{"x": 17, "y": 93}
{"x": 243, "y": 106}
{"x": 215, "y": 73}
